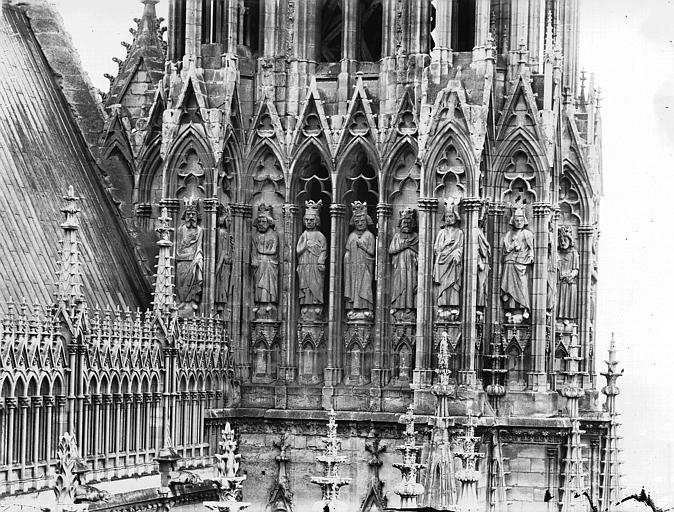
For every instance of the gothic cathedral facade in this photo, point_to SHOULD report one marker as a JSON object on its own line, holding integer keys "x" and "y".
{"x": 353, "y": 187}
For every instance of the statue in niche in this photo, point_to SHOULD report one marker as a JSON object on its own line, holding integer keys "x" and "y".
{"x": 404, "y": 249}
{"x": 312, "y": 250}
{"x": 225, "y": 249}
{"x": 483, "y": 268}
{"x": 568, "y": 263}
{"x": 189, "y": 259}
{"x": 359, "y": 265}
{"x": 518, "y": 256}
{"x": 448, "y": 250}
{"x": 264, "y": 257}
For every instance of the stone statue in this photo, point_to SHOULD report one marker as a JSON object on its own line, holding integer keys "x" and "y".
{"x": 568, "y": 263}
{"x": 225, "y": 248}
{"x": 264, "y": 259}
{"x": 312, "y": 250}
{"x": 190, "y": 259}
{"x": 359, "y": 264}
{"x": 518, "y": 256}
{"x": 448, "y": 250}
{"x": 483, "y": 268}
{"x": 404, "y": 249}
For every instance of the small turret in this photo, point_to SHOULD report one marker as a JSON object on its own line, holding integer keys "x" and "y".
{"x": 69, "y": 284}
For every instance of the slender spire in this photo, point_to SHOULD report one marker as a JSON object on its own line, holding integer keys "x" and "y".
{"x": 611, "y": 490}
{"x": 164, "y": 293}
{"x": 440, "y": 488}
{"x": 331, "y": 481}
{"x": 409, "y": 489}
{"x": 69, "y": 284}
{"x": 469, "y": 474}
{"x": 574, "y": 463}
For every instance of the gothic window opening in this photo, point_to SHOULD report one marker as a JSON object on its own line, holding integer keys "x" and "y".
{"x": 450, "y": 176}
{"x": 560, "y": 366}
{"x": 260, "y": 359}
{"x": 463, "y": 25}
{"x": 250, "y": 26}
{"x": 515, "y": 368}
{"x": 211, "y": 20}
{"x": 330, "y": 33}
{"x": 370, "y": 40}
{"x": 244, "y": 23}
{"x": 177, "y": 18}
{"x": 403, "y": 362}
{"x": 362, "y": 183}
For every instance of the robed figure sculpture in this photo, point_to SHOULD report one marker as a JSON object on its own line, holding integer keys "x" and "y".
{"x": 312, "y": 250}
{"x": 447, "y": 270}
{"x": 359, "y": 264}
{"x": 568, "y": 263}
{"x": 264, "y": 256}
{"x": 223, "y": 263}
{"x": 189, "y": 259}
{"x": 518, "y": 256}
{"x": 404, "y": 250}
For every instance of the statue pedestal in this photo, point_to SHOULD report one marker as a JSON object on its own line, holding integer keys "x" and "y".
{"x": 358, "y": 352}
{"x": 266, "y": 342}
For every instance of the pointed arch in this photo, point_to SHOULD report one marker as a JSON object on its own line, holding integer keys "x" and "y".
{"x": 149, "y": 176}
{"x": 45, "y": 386}
{"x": 6, "y": 387}
{"x": 352, "y": 166}
{"x": 260, "y": 171}
{"x": 189, "y": 141}
{"x": 449, "y": 135}
{"x": 104, "y": 386}
{"x": 230, "y": 182}
{"x": 581, "y": 188}
{"x": 522, "y": 141}
{"x": 403, "y": 146}
{"x": 32, "y": 388}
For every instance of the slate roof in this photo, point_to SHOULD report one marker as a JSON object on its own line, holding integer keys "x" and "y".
{"x": 42, "y": 152}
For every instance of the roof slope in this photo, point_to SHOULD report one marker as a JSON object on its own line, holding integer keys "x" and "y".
{"x": 42, "y": 152}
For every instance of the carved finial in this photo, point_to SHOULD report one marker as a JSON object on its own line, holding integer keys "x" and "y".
{"x": 69, "y": 285}
{"x": 330, "y": 482}
{"x": 68, "y": 469}
{"x": 409, "y": 489}
{"x": 227, "y": 461}
{"x": 164, "y": 290}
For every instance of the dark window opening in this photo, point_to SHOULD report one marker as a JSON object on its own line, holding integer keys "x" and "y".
{"x": 212, "y": 21}
{"x": 250, "y": 35}
{"x": 331, "y": 31}
{"x": 178, "y": 34}
{"x": 245, "y": 26}
{"x": 463, "y": 26}
{"x": 371, "y": 19}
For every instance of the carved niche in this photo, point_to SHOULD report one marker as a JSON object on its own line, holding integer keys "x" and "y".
{"x": 189, "y": 259}
{"x": 403, "y": 195}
